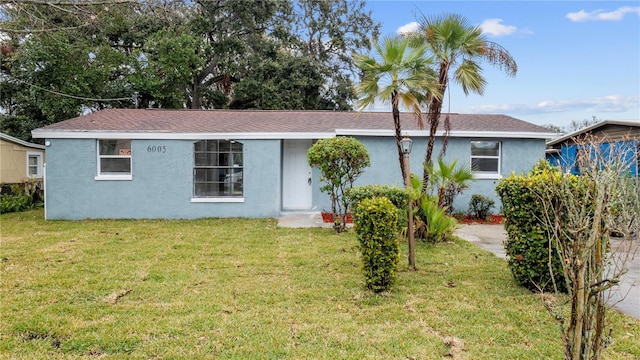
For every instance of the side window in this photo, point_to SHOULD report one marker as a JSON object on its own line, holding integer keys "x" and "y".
{"x": 218, "y": 170}
{"x": 34, "y": 164}
{"x": 114, "y": 159}
{"x": 485, "y": 157}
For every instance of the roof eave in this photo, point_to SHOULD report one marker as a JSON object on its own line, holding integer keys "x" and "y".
{"x": 454, "y": 133}
{"x": 21, "y": 142}
{"x": 70, "y": 134}
{"x": 156, "y": 135}
{"x": 592, "y": 127}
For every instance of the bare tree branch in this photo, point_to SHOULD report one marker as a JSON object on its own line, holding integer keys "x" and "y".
{"x": 65, "y": 2}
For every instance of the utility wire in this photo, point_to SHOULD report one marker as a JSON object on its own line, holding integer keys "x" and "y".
{"x": 72, "y": 96}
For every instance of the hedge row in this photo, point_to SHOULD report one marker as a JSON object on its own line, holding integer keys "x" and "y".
{"x": 527, "y": 245}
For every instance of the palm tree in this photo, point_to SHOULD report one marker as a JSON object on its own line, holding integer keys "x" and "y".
{"x": 398, "y": 75}
{"x": 457, "y": 47}
{"x": 449, "y": 180}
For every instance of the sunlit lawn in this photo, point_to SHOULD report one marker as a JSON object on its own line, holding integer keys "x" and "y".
{"x": 246, "y": 289}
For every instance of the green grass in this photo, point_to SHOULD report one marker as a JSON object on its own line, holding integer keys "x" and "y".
{"x": 246, "y": 289}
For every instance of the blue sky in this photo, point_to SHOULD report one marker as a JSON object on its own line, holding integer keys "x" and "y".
{"x": 576, "y": 59}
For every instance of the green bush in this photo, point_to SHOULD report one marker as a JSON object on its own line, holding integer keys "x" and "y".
{"x": 375, "y": 222}
{"x": 480, "y": 206}
{"x": 527, "y": 244}
{"x": 340, "y": 161}
{"x": 398, "y": 197}
{"x": 14, "y": 203}
{"x": 432, "y": 222}
{"x": 447, "y": 181}
{"x": 21, "y": 197}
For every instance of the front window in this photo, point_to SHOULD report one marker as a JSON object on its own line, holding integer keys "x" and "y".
{"x": 485, "y": 158}
{"x": 34, "y": 164}
{"x": 217, "y": 169}
{"x": 114, "y": 159}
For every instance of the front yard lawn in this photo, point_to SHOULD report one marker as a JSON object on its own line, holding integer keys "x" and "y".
{"x": 246, "y": 289}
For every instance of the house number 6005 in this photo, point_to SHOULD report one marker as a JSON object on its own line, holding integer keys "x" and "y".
{"x": 157, "y": 148}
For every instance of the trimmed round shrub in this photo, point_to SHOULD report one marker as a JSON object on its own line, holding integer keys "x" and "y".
{"x": 375, "y": 221}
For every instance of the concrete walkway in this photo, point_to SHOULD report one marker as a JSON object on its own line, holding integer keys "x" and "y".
{"x": 296, "y": 219}
{"x": 625, "y": 297}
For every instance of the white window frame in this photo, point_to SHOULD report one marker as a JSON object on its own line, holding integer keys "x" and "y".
{"x": 124, "y": 176}
{"x": 487, "y": 174}
{"x": 39, "y": 165}
{"x": 218, "y": 199}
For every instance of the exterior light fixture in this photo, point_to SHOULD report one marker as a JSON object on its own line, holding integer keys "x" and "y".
{"x": 406, "y": 143}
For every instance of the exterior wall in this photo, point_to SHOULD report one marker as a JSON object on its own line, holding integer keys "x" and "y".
{"x": 566, "y": 159}
{"x": 517, "y": 155}
{"x": 614, "y": 133}
{"x": 161, "y": 185}
{"x": 13, "y": 161}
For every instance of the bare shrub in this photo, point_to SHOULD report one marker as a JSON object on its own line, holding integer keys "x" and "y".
{"x": 593, "y": 225}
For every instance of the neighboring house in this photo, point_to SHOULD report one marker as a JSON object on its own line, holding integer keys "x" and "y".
{"x": 622, "y": 135}
{"x": 20, "y": 160}
{"x": 125, "y": 163}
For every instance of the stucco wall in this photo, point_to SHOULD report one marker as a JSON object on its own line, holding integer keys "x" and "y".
{"x": 518, "y": 155}
{"x": 161, "y": 185}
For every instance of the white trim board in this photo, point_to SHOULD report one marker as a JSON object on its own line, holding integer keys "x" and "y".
{"x": 53, "y": 134}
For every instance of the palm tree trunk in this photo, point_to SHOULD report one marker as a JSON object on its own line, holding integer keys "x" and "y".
{"x": 435, "y": 108}
{"x": 396, "y": 122}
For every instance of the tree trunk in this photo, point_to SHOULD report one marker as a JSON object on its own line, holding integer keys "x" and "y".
{"x": 580, "y": 294}
{"x": 433, "y": 117}
{"x": 398, "y": 127}
{"x": 195, "y": 94}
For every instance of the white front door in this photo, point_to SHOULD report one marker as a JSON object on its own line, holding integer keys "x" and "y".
{"x": 296, "y": 175}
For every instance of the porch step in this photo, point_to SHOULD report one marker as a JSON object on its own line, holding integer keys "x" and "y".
{"x": 302, "y": 219}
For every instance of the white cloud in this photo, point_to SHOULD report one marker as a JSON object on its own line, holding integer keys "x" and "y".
{"x": 496, "y": 28}
{"x": 609, "y": 104}
{"x": 600, "y": 15}
{"x": 407, "y": 28}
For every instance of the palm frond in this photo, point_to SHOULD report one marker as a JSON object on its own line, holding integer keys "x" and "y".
{"x": 469, "y": 76}
{"x": 500, "y": 57}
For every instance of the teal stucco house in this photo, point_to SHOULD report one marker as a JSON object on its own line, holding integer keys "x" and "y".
{"x": 151, "y": 163}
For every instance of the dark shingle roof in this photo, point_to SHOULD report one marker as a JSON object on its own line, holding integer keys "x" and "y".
{"x": 269, "y": 121}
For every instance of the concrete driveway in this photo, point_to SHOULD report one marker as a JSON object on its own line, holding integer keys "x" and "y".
{"x": 625, "y": 297}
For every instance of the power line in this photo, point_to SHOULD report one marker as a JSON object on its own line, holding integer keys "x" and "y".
{"x": 72, "y": 96}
